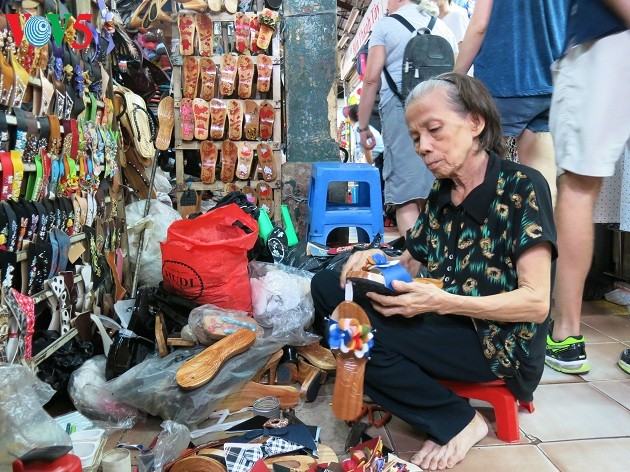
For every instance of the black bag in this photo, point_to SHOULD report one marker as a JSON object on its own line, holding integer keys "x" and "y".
{"x": 426, "y": 55}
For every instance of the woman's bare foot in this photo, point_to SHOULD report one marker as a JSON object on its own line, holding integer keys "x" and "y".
{"x": 432, "y": 456}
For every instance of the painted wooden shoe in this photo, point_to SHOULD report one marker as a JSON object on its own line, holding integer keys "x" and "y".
{"x": 265, "y": 68}
{"x": 228, "y": 74}
{"x": 208, "y": 153}
{"x": 267, "y": 117}
{"x": 245, "y": 160}
{"x": 235, "y": 120}
{"x": 252, "y": 120}
{"x": 229, "y": 156}
{"x": 208, "y": 76}
{"x": 201, "y": 110}
{"x": 190, "y": 76}
{"x": 245, "y": 76}
{"x": 267, "y": 162}
{"x": 205, "y": 34}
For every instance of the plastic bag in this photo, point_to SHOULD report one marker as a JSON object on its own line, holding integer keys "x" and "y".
{"x": 155, "y": 226}
{"x": 25, "y": 424}
{"x": 90, "y": 397}
{"x": 205, "y": 259}
{"x": 171, "y": 442}
{"x": 210, "y": 323}
{"x": 281, "y": 298}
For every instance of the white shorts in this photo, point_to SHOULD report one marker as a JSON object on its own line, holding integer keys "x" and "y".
{"x": 589, "y": 117}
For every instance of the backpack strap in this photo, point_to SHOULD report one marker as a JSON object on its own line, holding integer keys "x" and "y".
{"x": 409, "y": 26}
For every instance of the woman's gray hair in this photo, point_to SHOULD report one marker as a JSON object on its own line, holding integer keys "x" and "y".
{"x": 427, "y": 6}
{"x": 466, "y": 95}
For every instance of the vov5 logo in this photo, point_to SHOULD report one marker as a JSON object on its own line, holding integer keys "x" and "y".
{"x": 38, "y": 29}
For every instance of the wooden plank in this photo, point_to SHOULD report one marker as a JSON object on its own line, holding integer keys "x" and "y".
{"x": 194, "y": 145}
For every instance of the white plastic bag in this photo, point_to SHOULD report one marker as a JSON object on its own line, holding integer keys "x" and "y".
{"x": 155, "y": 226}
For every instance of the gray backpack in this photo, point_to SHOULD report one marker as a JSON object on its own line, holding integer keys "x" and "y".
{"x": 426, "y": 55}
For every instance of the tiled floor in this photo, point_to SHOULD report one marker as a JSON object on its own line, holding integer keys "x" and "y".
{"x": 581, "y": 422}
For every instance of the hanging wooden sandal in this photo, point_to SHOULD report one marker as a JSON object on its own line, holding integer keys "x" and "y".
{"x": 251, "y": 120}
{"x": 202, "y": 368}
{"x": 229, "y": 156}
{"x": 190, "y": 72}
{"x": 208, "y": 154}
{"x": 245, "y": 76}
{"x": 264, "y": 68}
{"x": 245, "y": 159}
{"x": 215, "y": 5}
{"x": 218, "y": 112}
{"x": 267, "y": 118}
{"x": 186, "y": 23}
{"x": 166, "y": 119}
{"x": 267, "y": 162}
{"x": 187, "y": 119}
{"x": 254, "y": 30}
{"x": 250, "y": 194}
{"x": 208, "y": 76}
{"x": 318, "y": 355}
{"x": 231, "y": 6}
{"x": 228, "y": 74}
{"x": 201, "y": 111}
{"x": 241, "y": 32}
{"x": 350, "y": 339}
{"x": 205, "y": 34}
{"x": 235, "y": 120}
{"x": 268, "y": 20}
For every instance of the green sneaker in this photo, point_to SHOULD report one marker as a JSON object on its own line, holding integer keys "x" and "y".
{"x": 567, "y": 356}
{"x": 624, "y": 360}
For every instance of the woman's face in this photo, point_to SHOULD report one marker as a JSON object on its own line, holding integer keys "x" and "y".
{"x": 393, "y": 5}
{"x": 442, "y": 138}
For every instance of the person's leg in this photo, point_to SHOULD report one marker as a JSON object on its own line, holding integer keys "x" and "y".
{"x": 535, "y": 149}
{"x": 407, "y": 214}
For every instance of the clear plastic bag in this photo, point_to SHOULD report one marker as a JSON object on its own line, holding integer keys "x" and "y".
{"x": 210, "y": 323}
{"x": 90, "y": 397}
{"x": 155, "y": 225}
{"x": 281, "y": 296}
{"x": 25, "y": 425}
{"x": 171, "y": 442}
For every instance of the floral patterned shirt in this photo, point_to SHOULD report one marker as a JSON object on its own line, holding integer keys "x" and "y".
{"x": 473, "y": 248}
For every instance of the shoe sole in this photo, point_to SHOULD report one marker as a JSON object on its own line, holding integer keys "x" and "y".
{"x": 574, "y": 367}
{"x": 624, "y": 366}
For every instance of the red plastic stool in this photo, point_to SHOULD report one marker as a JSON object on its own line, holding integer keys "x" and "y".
{"x": 65, "y": 463}
{"x": 501, "y": 399}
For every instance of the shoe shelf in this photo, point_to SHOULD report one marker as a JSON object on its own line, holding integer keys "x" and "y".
{"x": 224, "y": 42}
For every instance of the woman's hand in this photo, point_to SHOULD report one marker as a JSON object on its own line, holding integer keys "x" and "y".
{"x": 415, "y": 298}
{"x": 356, "y": 262}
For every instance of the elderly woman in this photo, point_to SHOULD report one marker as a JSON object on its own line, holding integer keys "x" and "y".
{"x": 487, "y": 233}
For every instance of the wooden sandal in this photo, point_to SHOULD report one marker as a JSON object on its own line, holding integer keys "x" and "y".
{"x": 208, "y": 75}
{"x": 294, "y": 462}
{"x": 241, "y": 32}
{"x": 251, "y": 120}
{"x": 309, "y": 377}
{"x": 202, "y": 368}
{"x": 205, "y": 34}
{"x": 201, "y": 110}
{"x": 190, "y": 72}
{"x": 252, "y": 391}
{"x": 263, "y": 190}
{"x": 266, "y": 204}
{"x": 218, "y": 112}
{"x": 254, "y": 31}
{"x": 229, "y": 156}
{"x": 268, "y": 20}
{"x": 187, "y": 119}
{"x": 350, "y": 338}
{"x": 245, "y": 159}
{"x": 235, "y": 120}
{"x": 166, "y": 117}
{"x": 318, "y": 355}
{"x": 267, "y": 162}
{"x": 231, "y": 6}
{"x": 264, "y": 68}
{"x": 267, "y": 373}
{"x": 186, "y": 22}
{"x": 245, "y": 76}
{"x": 267, "y": 117}
{"x": 215, "y": 5}
{"x": 228, "y": 74}
{"x": 250, "y": 194}
{"x": 208, "y": 152}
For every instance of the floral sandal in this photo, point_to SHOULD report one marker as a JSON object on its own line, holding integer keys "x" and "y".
{"x": 187, "y": 25}
{"x": 254, "y": 30}
{"x": 229, "y": 156}
{"x": 208, "y": 75}
{"x": 266, "y": 205}
{"x": 187, "y": 119}
{"x": 218, "y": 112}
{"x": 350, "y": 339}
{"x": 267, "y": 118}
{"x": 268, "y": 22}
{"x": 241, "y": 32}
{"x": 201, "y": 111}
{"x": 205, "y": 34}
{"x": 245, "y": 76}
{"x": 251, "y": 120}
{"x": 235, "y": 120}
{"x": 228, "y": 74}
{"x": 267, "y": 162}
{"x": 208, "y": 153}
{"x": 190, "y": 76}
{"x": 250, "y": 194}
{"x": 264, "y": 67}
{"x": 245, "y": 159}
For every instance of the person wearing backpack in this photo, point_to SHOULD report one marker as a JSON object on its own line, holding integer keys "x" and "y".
{"x": 407, "y": 179}
{"x": 512, "y": 46}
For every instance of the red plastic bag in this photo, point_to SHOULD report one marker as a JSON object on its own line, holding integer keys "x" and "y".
{"x": 205, "y": 259}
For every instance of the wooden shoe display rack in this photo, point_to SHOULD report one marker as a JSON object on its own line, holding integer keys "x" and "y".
{"x": 228, "y": 103}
